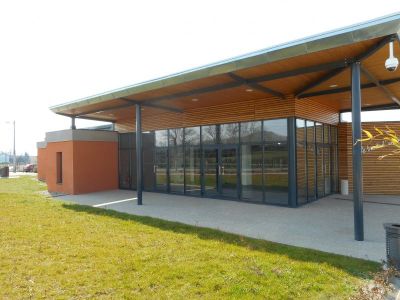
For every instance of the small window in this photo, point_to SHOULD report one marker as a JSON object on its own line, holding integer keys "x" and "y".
{"x": 59, "y": 167}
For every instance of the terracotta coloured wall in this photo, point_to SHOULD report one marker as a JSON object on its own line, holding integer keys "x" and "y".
{"x": 95, "y": 166}
{"x": 379, "y": 176}
{"x": 87, "y": 165}
{"x": 41, "y": 164}
{"x": 67, "y": 186}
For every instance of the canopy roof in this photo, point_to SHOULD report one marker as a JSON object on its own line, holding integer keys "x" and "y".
{"x": 316, "y": 67}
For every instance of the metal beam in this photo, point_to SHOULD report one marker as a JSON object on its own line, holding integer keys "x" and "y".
{"x": 153, "y": 105}
{"x": 300, "y": 71}
{"x": 73, "y": 126}
{"x": 139, "y": 154}
{"x": 85, "y": 117}
{"x": 320, "y": 80}
{"x": 348, "y": 88}
{"x": 219, "y": 87}
{"x": 357, "y": 152}
{"x": 198, "y": 91}
{"x": 292, "y": 162}
{"x": 256, "y": 86}
{"x": 337, "y": 71}
{"x": 374, "y": 108}
{"x": 387, "y": 92}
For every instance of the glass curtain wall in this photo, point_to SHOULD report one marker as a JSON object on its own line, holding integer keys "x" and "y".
{"x": 176, "y": 161}
{"x": 327, "y": 161}
{"x": 319, "y": 148}
{"x": 161, "y": 160}
{"x": 276, "y": 161}
{"x": 251, "y": 150}
{"x": 192, "y": 161}
{"x": 301, "y": 161}
{"x": 311, "y": 169}
{"x": 247, "y": 161}
{"x": 125, "y": 146}
{"x": 316, "y": 160}
{"x": 229, "y": 160}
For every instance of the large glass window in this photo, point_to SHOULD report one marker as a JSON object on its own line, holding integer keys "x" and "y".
{"x": 192, "y": 161}
{"x": 209, "y": 134}
{"x": 301, "y": 167}
{"x": 176, "y": 160}
{"x": 251, "y": 161}
{"x": 275, "y": 161}
{"x": 327, "y": 160}
{"x": 161, "y": 160}
{"x": 334, "y": 158}
{"x": 250, "y": 132}
{"x": 311, "y": 168}
{"x": 319, "y": 135}
{"x": 229, "y": 133}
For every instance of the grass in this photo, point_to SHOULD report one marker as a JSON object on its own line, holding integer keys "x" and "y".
{"x": 55, "y": 249}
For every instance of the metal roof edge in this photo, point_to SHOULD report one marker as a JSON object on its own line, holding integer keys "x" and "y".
{"x": 375, "y": 28}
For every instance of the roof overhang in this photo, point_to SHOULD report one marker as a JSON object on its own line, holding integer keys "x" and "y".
{"x": 233, "y": 72}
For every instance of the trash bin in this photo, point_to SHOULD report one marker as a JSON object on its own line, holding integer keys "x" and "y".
{"x": 4, "y": 172}
{"x": 393, "y": 244}
{"x": 344, "y": 187}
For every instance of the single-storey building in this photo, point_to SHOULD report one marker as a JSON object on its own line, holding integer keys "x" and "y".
{"x": 263, "y": 127}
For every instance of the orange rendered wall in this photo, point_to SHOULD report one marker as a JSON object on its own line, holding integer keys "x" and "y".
{"x": 88, "y": 166}
{"x": 41, "y": 164}
{"x": 95, "y": 166}
{"x": 67, "y": 186}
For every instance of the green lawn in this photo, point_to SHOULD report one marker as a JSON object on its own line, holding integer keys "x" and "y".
{"x": 55, "y": 249}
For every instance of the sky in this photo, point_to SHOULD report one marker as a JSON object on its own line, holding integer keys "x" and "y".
{"x": 57, "y": 51}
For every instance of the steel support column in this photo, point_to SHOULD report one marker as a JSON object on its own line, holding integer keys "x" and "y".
{"x": 292, "y": 162}
{"x": 73, "y": 126}
{"x": 357, "y": 152}
{"x": 139, "y": 154}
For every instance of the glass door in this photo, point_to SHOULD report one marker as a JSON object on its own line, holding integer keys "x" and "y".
{"x": 210, "y": 171}
{"x": 228, "y": 171}
{"x": 160, "y": 168}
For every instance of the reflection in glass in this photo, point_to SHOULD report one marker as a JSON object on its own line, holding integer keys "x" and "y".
{"x": 320, "y": 159}
{"x": 276, "y": 161}
{"x": 176, "y": 161}
{"x": 228, "y": 172}
{"x": 250, "y": 132}
{"x": 192, "y": 136}
{"x": 210, "y": 171}
{"x": 209, "y": 134}
{"x": 301, "y": 162}
{"x": 229, "y": 133}
{"x": 251, "y": 174}
{"x": 192, "y": 170}
{"x": 275, "y": 130}
{"x": 161, "y": 160}
{"x": 311, "y": 161}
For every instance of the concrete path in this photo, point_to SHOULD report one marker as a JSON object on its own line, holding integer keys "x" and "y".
{"x": 325, "y": 225}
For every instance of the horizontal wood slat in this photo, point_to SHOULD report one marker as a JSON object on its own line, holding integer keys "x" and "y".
{"x": 379, "y": 176}
{"x": 260, "y": 109}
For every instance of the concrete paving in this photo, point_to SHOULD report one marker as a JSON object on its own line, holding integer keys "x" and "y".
{"x": 326, "y": 224}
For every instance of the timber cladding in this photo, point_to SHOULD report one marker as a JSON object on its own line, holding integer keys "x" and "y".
{"x": 260, "y": 109}
{"x": 379, "y": 176}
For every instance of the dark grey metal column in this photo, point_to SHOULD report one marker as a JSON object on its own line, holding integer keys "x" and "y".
{"x": 73, "y": 126}
{"x": 139, "y": 155}
{"x": 357, "y": 152}
{"x": 292, "y": 162}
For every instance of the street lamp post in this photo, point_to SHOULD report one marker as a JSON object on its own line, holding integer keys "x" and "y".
{"x": 15, "y": 156}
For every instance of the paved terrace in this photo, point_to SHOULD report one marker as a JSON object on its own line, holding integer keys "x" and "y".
{"x": 325, "y": 225}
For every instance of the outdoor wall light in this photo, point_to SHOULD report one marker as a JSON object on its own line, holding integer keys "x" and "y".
{"x": 392, "y": 62}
